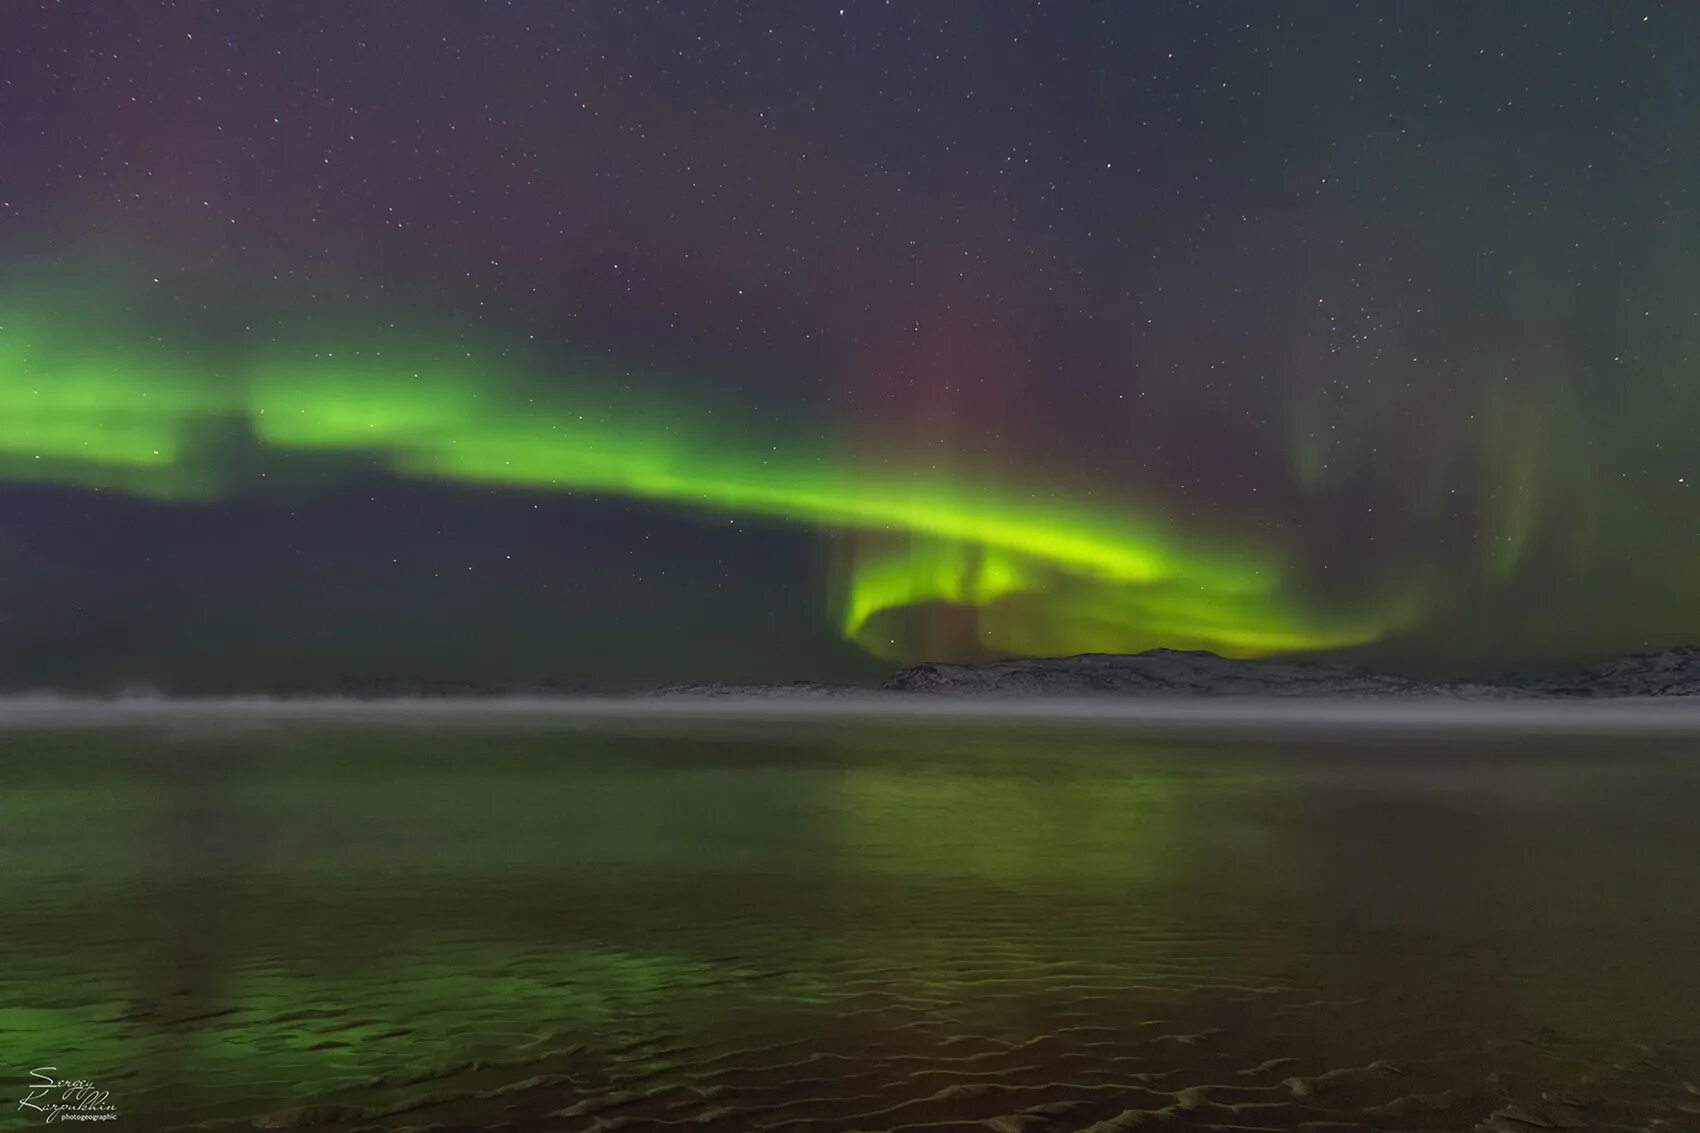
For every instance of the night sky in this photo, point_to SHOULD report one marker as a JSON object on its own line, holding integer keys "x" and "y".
{"x": 624, "y": 343}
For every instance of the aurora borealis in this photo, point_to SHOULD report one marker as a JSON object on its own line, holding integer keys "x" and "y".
{"x": 111, "y": 416}
{"x": 781, "y": 342}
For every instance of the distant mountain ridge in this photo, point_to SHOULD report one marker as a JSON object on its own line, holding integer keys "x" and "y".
{"x": 1169, "y": 673}
{"x": 1669, "y": 672}
{"x": 1187, "y": 673}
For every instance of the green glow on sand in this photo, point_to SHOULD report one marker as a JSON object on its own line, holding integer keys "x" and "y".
{"x": 1045, "y": 574}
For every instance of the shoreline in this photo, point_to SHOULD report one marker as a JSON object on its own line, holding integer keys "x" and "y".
{"x": 1669, "y": 714}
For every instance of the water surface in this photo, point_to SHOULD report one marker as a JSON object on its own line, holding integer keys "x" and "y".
{"x": 841, "y": 925}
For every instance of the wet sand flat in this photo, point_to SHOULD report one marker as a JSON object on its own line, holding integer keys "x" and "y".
{"x": 746, "y": 925}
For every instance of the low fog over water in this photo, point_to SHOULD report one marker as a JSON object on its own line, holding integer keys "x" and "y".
{"x": 1652, "y": 714}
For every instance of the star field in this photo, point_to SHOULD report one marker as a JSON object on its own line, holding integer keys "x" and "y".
{"x": 620, "y": 343}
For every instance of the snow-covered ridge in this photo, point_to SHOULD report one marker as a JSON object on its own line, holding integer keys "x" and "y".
{"x": 1188, "y": 673}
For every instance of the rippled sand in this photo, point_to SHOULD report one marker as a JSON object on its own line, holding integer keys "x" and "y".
{"x": 752, "y": 927}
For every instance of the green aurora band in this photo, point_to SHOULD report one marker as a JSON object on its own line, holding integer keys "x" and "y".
{"x": 94, "y": 405}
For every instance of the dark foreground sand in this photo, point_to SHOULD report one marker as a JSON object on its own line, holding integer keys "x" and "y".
{"x": 753, "y": 927}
